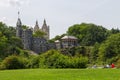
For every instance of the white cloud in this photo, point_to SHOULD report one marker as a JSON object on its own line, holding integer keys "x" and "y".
{"x": 13, "y": 3}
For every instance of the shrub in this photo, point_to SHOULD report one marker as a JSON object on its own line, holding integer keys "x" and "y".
{"x": 54, "y": 59}
{"x": 77, "y": 62}
{"x": 13, "y": 62}
{"x": 34, "y": 62}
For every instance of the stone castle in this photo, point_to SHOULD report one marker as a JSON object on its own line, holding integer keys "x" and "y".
{"x": 41, "y": 44}
{"x": 36, "y": 44}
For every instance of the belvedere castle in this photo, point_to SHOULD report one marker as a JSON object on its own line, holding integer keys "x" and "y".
{"x": 36, "y": 44}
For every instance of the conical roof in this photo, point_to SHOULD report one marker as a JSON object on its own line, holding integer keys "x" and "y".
{"x": 19, "y": 22}
{"x": 36, "y": 26}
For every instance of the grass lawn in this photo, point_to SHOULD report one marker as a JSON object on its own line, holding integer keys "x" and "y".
{"x": 60, "y": 74}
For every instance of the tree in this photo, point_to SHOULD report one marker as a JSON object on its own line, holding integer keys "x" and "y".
{"x": 14, "y": 45}
{"x": 9, "y": 32}
{"x": 9, "y": 44}
{"x": 88, "y": 34}
{"x": 3, "y": 45}
{"x": 53, "y": 59}
{"x": 94, "y": 53}
{"x": 39, "y": 33}
{"x": 58, "y": 37}
{"x": 109, "y": 51}
{"x": 13, "y": 62}
{"x": 114, "y": 31}
{"x": 3, "y": 27}
{"x": 25, "y": 27}
{"x": 16, "y": 42}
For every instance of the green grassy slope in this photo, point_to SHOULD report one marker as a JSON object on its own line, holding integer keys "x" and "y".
{"x": 61, "y": 74}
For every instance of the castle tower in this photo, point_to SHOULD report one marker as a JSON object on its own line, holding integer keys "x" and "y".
{"x": 27, "y": 39}
{"x": 19, "y": 27}
{"x": 36, "y": 26}
{"x": 45, "y": 29}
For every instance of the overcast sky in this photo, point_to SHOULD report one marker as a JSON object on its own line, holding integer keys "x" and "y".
{"x": 60, "y": 14}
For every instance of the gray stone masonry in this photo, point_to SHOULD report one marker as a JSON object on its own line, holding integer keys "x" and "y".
{"x": 35, "y": 44}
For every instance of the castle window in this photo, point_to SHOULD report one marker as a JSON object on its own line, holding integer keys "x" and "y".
{"x": 40, "y": 41}
{"x": 34, "y": 41}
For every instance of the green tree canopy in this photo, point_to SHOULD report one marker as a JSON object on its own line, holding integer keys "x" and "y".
{"x": 25, "y": 27}
{"x": 9, "y": 44}
{"x": 114, "y": 31}
{"x": 39, "y": 33}
{"x": 109, "y": 51}
{"x": 58, "y": 37}
{"x": 88, "y": 34}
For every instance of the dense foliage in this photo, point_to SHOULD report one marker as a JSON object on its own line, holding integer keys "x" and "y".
{"x": 88, "y": 34}
{"x": 97, "y": 45}
{"x": 109, "y": 51}
{"x": 9, "y": 44}
{"x": 76, "y": 51}
{"x": 50, "y": 59}
{"x": 57, "y": 38}
{"x": 39, "y": 33}
{"x": 54, "y": 59}
{"x": 13, "y": 62}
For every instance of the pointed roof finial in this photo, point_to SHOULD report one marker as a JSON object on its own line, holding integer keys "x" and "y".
{"x": 19, "y": 21}
{"x": 44, "y": 21}
{"x": 36, "y": 28}
{"x": 36, "y": 22}
{"x": 18, "y": 14}
{"x": 36, "y": 25}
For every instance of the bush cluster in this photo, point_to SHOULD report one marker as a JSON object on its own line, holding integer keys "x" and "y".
{"x": 54, "y": 59}
{"x": 13, "y": 62}
{"x": 50, "y": 59}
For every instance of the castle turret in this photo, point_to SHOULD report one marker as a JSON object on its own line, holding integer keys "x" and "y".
{"x": 45, "y": 29}
{"x": 19, "y": 27}
{"x": 36, "y": 26}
